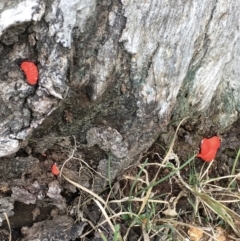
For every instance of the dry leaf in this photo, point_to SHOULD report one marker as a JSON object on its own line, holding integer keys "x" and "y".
{"x": 170, "y": 212}
{"x": 220, "y": 234}
{"x": 195, "y": 234}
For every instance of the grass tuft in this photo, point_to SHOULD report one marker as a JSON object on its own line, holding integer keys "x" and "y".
{"x": 139, "y": 205}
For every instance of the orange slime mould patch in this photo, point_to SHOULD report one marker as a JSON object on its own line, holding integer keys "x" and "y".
{"x": 209, "y": 148}
{"x": 31, "y": 72}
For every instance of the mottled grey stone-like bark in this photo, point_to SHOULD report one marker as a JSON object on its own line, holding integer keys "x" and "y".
{"x": 60, "y": 228}
{"x": 112, "y": 73}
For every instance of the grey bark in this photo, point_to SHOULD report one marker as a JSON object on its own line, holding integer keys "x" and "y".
{"x": 60, "y": 228}
{"x": 114, "y": 73}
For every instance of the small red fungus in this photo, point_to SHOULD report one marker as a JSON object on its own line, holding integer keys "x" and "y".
{"x": 31, "y": 72}
{"x": 209, "y": 147}
{"x": 55, "y": 170}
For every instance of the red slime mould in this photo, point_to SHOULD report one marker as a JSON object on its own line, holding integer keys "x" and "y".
{"x": 31, "y": 72}
{"x": 55, "y": 170}
{"x": 209, "y": 147}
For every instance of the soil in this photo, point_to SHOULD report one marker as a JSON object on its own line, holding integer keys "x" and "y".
{"x": 74, "y": 205}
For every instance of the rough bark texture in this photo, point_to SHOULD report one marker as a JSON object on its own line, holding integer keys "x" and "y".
{"x": 113, "y": 74}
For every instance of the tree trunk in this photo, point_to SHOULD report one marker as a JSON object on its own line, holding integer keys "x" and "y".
{"x": 113, "y": 75}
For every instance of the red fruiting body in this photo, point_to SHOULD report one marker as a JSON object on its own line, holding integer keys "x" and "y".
{"x": 209, "y": 147}
{"x": 31, "y": 72}
{"x": 55, "y": 170}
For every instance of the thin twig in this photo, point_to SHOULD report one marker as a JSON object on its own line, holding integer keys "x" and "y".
{"x": 9, "y": 226}
{"x": 69, "y": 158}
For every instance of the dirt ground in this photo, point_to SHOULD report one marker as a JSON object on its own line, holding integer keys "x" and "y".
{"x": 67, "y": 206}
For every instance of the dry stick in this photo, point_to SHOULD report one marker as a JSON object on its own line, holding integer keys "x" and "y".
{"x": 155, "y": 177}
{"x": 164, "y": 160}
{"x": 75, "y": 147}
{"x": 9, "y": 226}
{"x": 144, "y": 232}
{"x": 202, "y": 197}
{"x": 175, "y": 223}
{"x": 233, "y": 238}
{"x": 85, "y": 189}
{"x": 89, "y": 166}
{"x": 105, "y": 215}
{"x": 162, "y": 220}
{"x": 103, "y": 222}
{"x": 107, "y": 218}
{"x": 206, "y": 171}
{"x": 72, "y": 157}
{"x": 94, "y": 195}
{"x": 219, "y": 178}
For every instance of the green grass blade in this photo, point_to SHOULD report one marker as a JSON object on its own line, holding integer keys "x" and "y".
{"x": 102, "y": 235}
{"x": 134, "y": 184}
{"x": 233, "y": 183}
{"x": 166, "y": 177}
{"x": 235, "y": 163}
{"x": 116, "y": 234}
